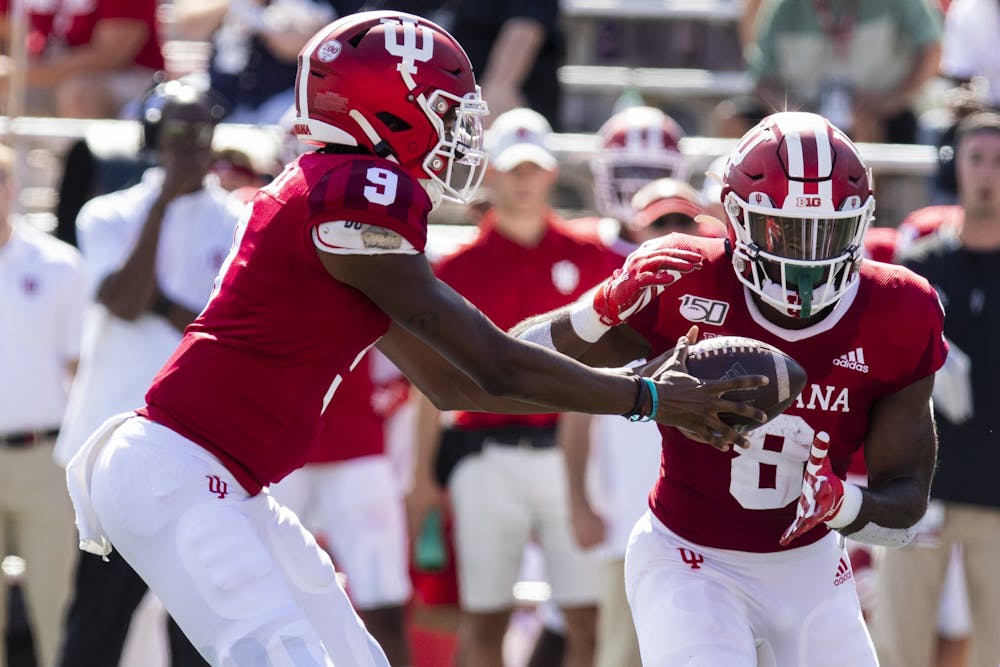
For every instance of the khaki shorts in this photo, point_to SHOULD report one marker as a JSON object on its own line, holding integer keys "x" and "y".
{"x": 503, "y": 497}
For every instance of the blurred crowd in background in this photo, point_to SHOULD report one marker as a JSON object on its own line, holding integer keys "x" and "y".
{"x": 202, "y": 90}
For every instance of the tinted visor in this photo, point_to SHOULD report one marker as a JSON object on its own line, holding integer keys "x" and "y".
{"x": 802, "y": 238}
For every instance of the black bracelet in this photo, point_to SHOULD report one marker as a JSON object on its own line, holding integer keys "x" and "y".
{"x": 639, "y": 410}
{"x": 162, "y": 305}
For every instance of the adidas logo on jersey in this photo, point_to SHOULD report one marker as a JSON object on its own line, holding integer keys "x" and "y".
{"x": 843, "y": 573}
{"x": 854, "y": 360}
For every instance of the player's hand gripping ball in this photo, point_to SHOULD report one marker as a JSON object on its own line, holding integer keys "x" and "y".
{"x": 724, "y": 357}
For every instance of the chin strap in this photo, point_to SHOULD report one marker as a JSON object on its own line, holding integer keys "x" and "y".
{"x": 380, "y": 146}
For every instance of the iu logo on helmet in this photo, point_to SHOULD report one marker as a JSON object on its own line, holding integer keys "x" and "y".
{"x": 217, "y": 486}
{"x": 407, "y": 50}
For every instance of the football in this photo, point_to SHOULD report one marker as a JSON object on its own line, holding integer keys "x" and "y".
{"x": 724, "y": 357}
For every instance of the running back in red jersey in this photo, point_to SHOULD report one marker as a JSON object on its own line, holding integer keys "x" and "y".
{"x": 724, "y": 357}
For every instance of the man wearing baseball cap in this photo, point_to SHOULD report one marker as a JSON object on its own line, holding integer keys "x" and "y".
{"x": 663, "y": 206}
{"x": 508, "y": 486}
{"x": 605, "y": 506}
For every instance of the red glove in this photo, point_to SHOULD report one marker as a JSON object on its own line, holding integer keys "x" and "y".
{"x": 646, "y": 273}
{"x": 822, "y": 494}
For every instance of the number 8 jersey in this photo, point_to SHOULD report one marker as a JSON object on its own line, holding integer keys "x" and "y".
{"x": 254, "y": 372}
{"x": 881, "y": 336}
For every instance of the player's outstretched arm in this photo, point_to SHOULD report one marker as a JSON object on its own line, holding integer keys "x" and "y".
{"x": 583, "y": 327}
{"x": 439, "y": 320}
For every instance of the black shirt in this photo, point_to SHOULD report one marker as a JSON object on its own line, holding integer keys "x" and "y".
{"x": 968, "y": 283}
{"x": 476, "y": 25}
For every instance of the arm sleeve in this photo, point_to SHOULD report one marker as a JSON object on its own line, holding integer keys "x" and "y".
{"x": 346, "y": 237}
{"x": 920, "y": 22}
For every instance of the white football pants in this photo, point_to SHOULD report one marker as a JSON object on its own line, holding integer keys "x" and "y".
{"x": 241, "y": 576}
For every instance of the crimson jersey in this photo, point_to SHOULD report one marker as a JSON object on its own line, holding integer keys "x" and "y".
{"x": 510, "y": 282}
{"x": 351, "y": 426}
{"x": 73, "y": 22}
{"x": 878, "y": 339}
{"x": 255, "y": 371}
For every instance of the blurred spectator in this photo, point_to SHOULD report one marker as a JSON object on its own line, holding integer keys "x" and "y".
{"x": 516, "y": 48}
{"x": 348, "y": 493}
{"x": 637, "y": 145}
{"x": 87, "y": 59}
{"x": 963, "y": 263}
{"x": 154, "y": 250}
{"x": 969, "y": 45}
{"x": 858, "y": 62}
{"x": 41, "y": 310}
{"x": 506, "y": 482}
{"x": 255, "y": 46}
{"x": 608, "y": 492}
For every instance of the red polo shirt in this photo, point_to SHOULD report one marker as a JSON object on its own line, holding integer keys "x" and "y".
{"x": 510, "y": 282}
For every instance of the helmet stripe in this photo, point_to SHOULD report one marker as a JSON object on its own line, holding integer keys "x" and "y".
{"x": 305, "y": 57}
{"x": 796, "y": 162}
{"x": 824, "y": 163}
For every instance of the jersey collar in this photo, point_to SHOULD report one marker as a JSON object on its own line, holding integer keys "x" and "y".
{"x": 792, "y": 335}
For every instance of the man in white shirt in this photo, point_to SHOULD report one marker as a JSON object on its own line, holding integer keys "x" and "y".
{"x": 41, "y": 306}
{"x": 968, "y": 44}
{"x": 153, "y": 250}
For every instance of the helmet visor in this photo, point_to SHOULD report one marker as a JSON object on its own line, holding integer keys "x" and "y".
{"x": 803, "y": 238}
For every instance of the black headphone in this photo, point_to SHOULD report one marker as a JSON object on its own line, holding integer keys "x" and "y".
{"x": 153, "y": 101}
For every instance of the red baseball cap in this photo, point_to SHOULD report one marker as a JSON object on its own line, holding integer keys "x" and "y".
{"x": 663, "y": 197}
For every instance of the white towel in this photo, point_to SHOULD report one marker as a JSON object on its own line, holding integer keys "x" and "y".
{"x": 79, "y": 472}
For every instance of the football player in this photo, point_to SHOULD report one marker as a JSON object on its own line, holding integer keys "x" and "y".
{"x": 738, "y": 562}
{"x": 328, "y": 261}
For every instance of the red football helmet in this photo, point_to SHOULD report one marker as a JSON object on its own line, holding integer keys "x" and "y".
{"x": 403, "y": 88}
{"x": 638, "y": 145}
{"x": 799, "y": 199}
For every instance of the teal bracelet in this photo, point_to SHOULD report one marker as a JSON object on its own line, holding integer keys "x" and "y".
{"x": 655, "y": 396}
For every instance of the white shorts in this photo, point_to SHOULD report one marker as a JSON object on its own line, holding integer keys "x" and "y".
{"x": 357, "y": 505}
{"x": 503, "y": 498}
{"x": 241, "y": 576}
{"x": 701, "y": 607}
{"x": 954, "y": 615}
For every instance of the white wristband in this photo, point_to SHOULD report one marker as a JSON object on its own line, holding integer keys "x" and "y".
{"x": 881, "y": 536}
{"x": 584, "y": 319}
{"x": 849, "y": 509}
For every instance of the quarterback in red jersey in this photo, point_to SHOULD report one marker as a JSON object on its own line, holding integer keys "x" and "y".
{"x": 735, "y": 563}
{"x": 328, "y": 261}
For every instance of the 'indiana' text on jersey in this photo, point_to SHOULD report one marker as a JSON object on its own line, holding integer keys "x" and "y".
{"x": 744, "y": 499}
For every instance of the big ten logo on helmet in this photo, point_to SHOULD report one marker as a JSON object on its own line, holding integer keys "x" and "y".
{"x": 808, "y": 202}
{"x": 408, "y": 50}
{"x": 700, "y": 309}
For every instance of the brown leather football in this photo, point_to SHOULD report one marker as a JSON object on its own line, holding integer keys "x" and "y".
{"x": 725, "y": 357}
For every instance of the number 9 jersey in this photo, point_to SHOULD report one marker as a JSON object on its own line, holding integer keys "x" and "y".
{"x": 882, "y": 335}
{"x": 254, "y": 372}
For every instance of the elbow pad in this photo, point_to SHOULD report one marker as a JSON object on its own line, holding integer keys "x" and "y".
{"x": 881, "y": 536}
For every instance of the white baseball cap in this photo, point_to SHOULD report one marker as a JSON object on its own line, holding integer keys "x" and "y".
{"x": 517, "y": 136}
